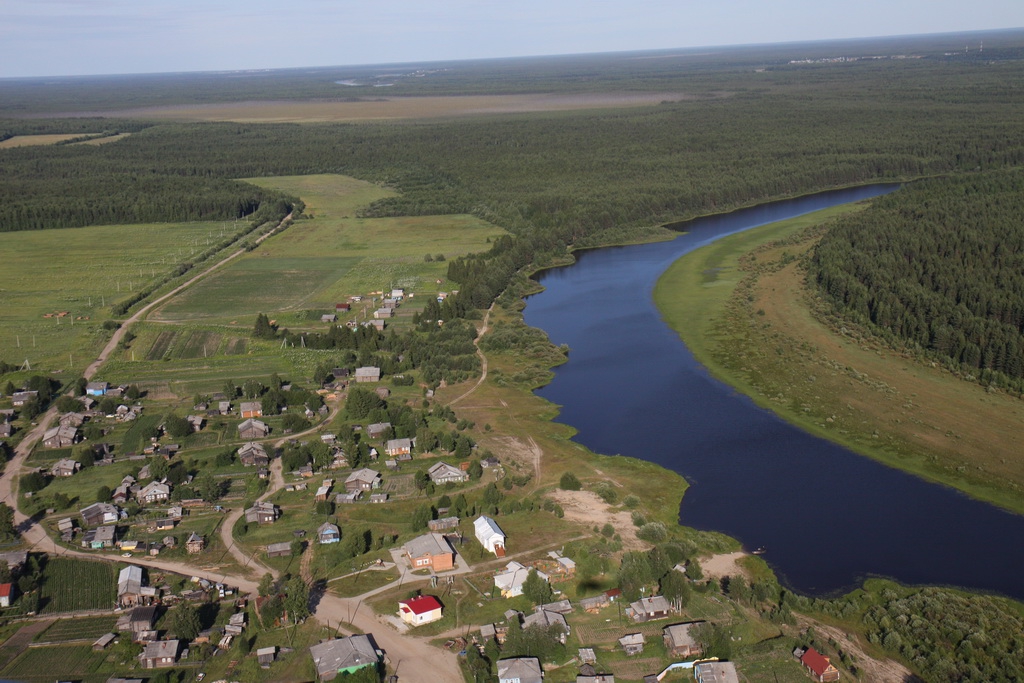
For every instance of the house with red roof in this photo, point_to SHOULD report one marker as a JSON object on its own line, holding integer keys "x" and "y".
{"x": 6, "y": 594}
{"x": 819, "y": 666}
{"x": 422, "y": 609}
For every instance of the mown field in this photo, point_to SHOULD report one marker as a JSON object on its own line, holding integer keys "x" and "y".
{"x": 753, "y": 323}
{"x": 33, "y": 140}
{"x": 319, "y": 262}
{"x": 82, "y": 272}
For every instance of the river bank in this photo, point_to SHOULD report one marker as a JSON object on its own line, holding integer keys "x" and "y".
{"x": 742, "y": 309}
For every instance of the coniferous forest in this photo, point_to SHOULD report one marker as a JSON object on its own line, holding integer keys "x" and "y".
{"x": 940, "y": 266}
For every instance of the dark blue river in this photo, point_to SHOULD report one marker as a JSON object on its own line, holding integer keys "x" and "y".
{"x": 828, "y": 518}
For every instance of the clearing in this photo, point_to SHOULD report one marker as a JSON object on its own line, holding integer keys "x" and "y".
{"x": 391, "y": 108}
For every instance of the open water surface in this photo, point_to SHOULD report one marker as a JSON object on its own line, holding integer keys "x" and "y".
{"x": 827, "y": 517}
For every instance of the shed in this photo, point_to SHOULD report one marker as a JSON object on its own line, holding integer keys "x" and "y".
{"x": 266, "y": 656}
{"x": 283, "y": 549}
{"x": 368, "y": 374}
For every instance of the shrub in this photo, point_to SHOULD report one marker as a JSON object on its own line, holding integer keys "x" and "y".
{"x": 569, "y": 482}
{"x": 654, "y": 532}
{"x": 607, "y": 492}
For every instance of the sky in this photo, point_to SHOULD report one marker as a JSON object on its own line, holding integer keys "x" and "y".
{"x": 88, "y": 37}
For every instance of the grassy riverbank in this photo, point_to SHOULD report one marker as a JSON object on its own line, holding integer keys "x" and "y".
{"x": 741, "y": 306}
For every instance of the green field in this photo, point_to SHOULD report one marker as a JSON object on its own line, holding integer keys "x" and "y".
{"x": 55, "y": 663}
{"x": 79, "y": 271}
{"x": 75, "y": 629}
{"x": 318, "y": 262}
{"x": 70, "y": 585}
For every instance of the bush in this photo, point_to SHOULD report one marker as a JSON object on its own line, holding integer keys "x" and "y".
{"x": 569, "y": 482}
{"x": 607, "y": 492}
{"x": 654, "y": 532}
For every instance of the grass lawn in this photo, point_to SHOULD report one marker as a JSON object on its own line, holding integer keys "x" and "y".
{"x": 87, "y": 278}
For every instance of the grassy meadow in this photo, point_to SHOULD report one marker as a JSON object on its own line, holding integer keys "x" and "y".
{"x": 81, "y": 272}
{"x": 319, "y": 262}
{"x": 741, "y": 306}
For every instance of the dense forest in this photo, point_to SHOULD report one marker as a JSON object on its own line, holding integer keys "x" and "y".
{"x": 940, "y": 266}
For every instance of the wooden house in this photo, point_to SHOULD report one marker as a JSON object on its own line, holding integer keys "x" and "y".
{"x": 195, "y": 543}
{"x": 253, "y": 429}
{"x": 160, "y": 654}
{"x": 395, "y": 447}
{"x": 251, "y": 409}
{"x": 646, "y": 609}
{"x": 819, "y": 666}
{"x": 377, "y": 429}
{"x": 154, "y": 492}
{"x": 715, "y": 672}
{"x": 344, "y": 656}
{"x": 520, "y": 670}
{"x": 546, "y": 619}
{"x": 253, "y": 455}
{"x": 679, "y": 640}
{"x": 632, "y": 643}
{"x": 20, "y": 398}
{"x": 99, "y": 513}
{"x": 443, "y": 473}
{"x": 65, "y": 467}
{"x": 262, "y": 512}
{"x": 61, "y": 436}
{"x": 328, "y": 533}
{"x": 363, "y": 479}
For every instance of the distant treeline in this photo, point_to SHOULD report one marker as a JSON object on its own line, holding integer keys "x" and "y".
{"x": 559, "y": 178}
{"x": 698, "y": 70}
{"x": 938, "y": 265}
{"x": 556, "y": 180}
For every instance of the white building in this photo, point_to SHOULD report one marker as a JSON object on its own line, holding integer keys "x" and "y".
{"x": 490, "y": 535}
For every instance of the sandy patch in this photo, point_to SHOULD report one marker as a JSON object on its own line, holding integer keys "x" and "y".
{"x": 727, "y": 564}
{"x": 587, "y": 508}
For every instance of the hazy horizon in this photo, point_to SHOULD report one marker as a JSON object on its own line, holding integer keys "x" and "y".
{"x": 67, "y": 38}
